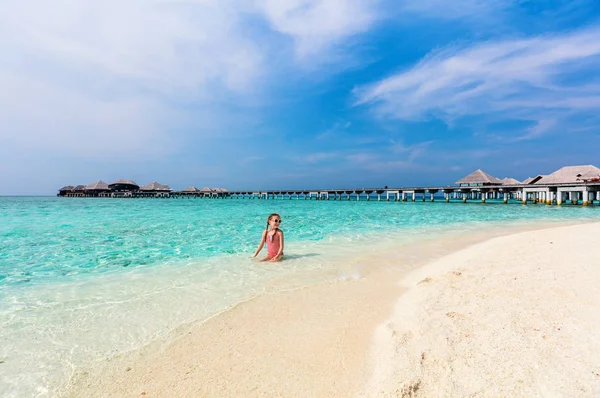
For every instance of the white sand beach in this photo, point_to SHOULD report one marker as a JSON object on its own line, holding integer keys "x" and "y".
{"x": 516, "y": 315}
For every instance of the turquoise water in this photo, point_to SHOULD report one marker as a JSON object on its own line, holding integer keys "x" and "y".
{"x": 84, "y": 278}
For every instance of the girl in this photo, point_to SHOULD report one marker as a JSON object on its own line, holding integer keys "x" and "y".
{"x": 274, "y": 239}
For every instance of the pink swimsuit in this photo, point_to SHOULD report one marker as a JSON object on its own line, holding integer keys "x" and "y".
{"x": 272, "y": 245}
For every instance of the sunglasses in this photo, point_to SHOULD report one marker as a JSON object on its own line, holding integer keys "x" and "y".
{"x": 276, "y": 220}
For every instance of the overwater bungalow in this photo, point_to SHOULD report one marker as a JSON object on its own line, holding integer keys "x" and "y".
{"x": 205, "y": 191}
{"x": 97, "y": 189}
{"x": 154, "y": 189}
{"x": 569, "y": 174}
{"x": 190, "y": 191}
{"x": 478, "y": 178}
{"x": 564, "y": 184}
{"x": 65, "y": 190}
{"x": 77, "y": 192}
{"x": 481, "y": 185}
{"x": 123, "y": 188}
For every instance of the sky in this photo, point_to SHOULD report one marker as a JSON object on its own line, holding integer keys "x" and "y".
{"x": 294, "y": 94}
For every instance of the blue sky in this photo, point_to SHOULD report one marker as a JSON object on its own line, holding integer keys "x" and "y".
{"x": 269, "y": 94}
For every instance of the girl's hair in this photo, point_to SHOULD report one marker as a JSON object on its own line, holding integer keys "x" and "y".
{"x": 269, "y": 219}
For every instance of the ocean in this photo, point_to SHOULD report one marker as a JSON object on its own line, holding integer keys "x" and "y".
{"x": 82, "y": 279}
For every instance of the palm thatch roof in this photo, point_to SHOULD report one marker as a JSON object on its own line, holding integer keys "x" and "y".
{"x": 569, "y": 174}
{"x": 510, "y": 181}
{"x": 79, "y": 188}
{"x": 479, "y": 177}
{"x": 224, "y": 190}
{"x": 66, "y": 188}
{"x": 216, "y": 190}
{"x": 206, "y": 190}
{"x": 191, "y": 189}
{"x": 97, "y": 186}
{"x": 123, "y": 183}
{"x": 155, "y": 186}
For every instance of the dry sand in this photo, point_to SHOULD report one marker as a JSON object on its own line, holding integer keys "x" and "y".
{"x": 463, "y": 326}
{"x": 514, "y": 316}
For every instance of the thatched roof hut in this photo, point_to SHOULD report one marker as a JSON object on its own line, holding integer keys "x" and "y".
{"x": 570, "y": 174}
{"x": 206, "y": 190}
{"x": 97, "y": 186}
{"x": 479, "y": 178}
{"x": 191, "y": 189}
{"x": 155, "y": 187}
{"x": 510, "y": 181}
{"x": 78, "y": 188}
{"x": 124, "y": 185}
{"x": 64, "y": 191}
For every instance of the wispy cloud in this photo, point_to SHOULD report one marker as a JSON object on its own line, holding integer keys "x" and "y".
{"x": 538, "y": 79}
{"x": 540, "y": 129}
{"x": 334, "y": 131}
{"x": 411, "y": 152}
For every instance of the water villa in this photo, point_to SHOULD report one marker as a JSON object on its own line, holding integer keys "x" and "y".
{"x": 570, "y": 184}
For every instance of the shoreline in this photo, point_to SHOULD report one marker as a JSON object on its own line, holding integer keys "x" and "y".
{"x": 277, "y": 343}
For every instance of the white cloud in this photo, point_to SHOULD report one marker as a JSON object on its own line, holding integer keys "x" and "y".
{"x": 83, "y": 77}
{"x": 334, "y": 132}
{"x": 540, "y": 129}
{"x": 162, "y": 46}
{"x": 316, "y": 25}
{"x": 531, "y": 79}
{"x": 98, "y": 78}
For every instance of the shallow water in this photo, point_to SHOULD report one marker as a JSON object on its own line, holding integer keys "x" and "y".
{"x": 82, "y": 279}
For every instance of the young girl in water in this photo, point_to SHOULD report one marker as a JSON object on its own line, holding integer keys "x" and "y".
{"x": 274, "y": 238}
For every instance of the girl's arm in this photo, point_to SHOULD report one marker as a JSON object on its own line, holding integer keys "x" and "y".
{"x": 280, "y": 246}
{"x": 261, "y": 244}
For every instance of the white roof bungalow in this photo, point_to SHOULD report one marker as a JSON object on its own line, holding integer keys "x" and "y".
{"x": 570, "y": 174}
{"x": 478, "y": 178}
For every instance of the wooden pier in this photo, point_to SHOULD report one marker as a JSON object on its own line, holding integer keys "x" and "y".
{"x": 585, "y": 194}
{"x": 572, "y": 185}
